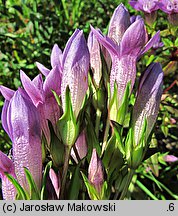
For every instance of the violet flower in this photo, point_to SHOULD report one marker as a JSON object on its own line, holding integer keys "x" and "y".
{"x": 146, "y": 6}
{"x": 170, "y": 158}
{"x": 41, "y": 94}
{"x": 147, "y": 101}
{"x": 95, "y": 58}
{"x": 55, "y": 180}
{"x": 95, "y": 171}
{"x": 7, "y": 166}
{"x": 81, "y": 147}
{"x": 171, "y": 8}
{"x": 75, "y": 66}
{"x": 21, "y": 121}
{"x": 126, "y": 44}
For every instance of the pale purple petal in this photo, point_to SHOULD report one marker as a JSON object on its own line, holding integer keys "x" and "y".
{"x": 119, "y": 23}
{"x": 26, "y": 138}
{"x": 4, "y": 117}
{"x": 6, "y": 165}
{"x": 33, "y": 92}
{"x": 55, "y": 181}
{"x": 154, "y": 40}
{"x": 75, "y": 71}
{"x": 52, "y": 82}
{"x": 146, "y": 6}
{"x": 170, "y": 158}
{"x": 45, "y": 71}
{"x": 148, "y": 100}
{"x": 123, "y": 70}
{"x": 133, "y": 39}
{"x": 95, "y": 58}
{"x": 168, "y": 6}
{"x": 38, "y": 82}
{"x": 105, "y": 41}
{"x": 6, "y": 92}
{"x": 95, "y": 171}
{"x": 56, "y": 57}
{"x": 68, "y": 45}
{"x": 81, "y": 147}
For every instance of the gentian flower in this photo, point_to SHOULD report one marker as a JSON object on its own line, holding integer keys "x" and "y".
{"x": 21, "y": 121}
{"x": 41, "y": 94}
{"x": 146, "y": 6}
{"x": 75, "y": 66}
{"x": 126, "y": 44}
{"x": 170, "y": 158}
{"x": 171, "y": 8}
{"x": 7, "y": 166}
{"x": 95, "y": 171}
{"x": 81, "y": 147}
{"x": 147, "y": 101}
{"x": 149, "y": 7}
{"x": 95, "y": 59}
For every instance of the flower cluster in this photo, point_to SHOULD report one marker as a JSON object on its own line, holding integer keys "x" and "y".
{"x": 150, "y": 7}
{"x": 50, "y": 118}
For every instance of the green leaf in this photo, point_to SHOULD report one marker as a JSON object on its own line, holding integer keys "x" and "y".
{"x": 34, "y": 192}
{"x": 56, "y": 148}
{"x": 122, "y": 111}
{"x": 75, "y": 184}
{"x": 57, "y": 98}
{"x": 90, "y": 188}
{"x": 67, "y": 124}
{"x": 44, "y": 194}
{"x": 21, "y": 193}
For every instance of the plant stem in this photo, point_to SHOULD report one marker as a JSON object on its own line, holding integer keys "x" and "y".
{"x": 146, "y": 190}
{"x": 97, "y": 123}
{"x": 128, "y": 181}
{"x": 65, "y": 169}
{"x": 105, "y": 135}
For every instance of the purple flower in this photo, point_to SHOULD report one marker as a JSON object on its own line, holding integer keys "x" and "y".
{"x": 21, "y": 121}
{"x": 55, "y": 180}
{"x": 95, "y": 171}
{"x": 146, "y": 6}
{"x": 169, "y": 6}
{"x": 126, "y": 44}
{"x": 148, "y": 100}
{"x": 7, "y": 166}
{"x": 95, "y": 59}
{"x": 41, "y": 94}
{"x": 75, "y": 64}
{"x": 170, "y": 158}
{"x": 81, "y": 147}
{"x": 56, "y": 61}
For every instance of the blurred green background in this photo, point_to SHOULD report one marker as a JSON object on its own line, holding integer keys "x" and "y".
{"x": 28, "y": 31}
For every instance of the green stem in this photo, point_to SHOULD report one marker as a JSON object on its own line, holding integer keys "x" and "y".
{"x": 146, "y": 190}
{"x": 97, "y": 123}
{"x": 128, "y": 181}
{"x": 163, "y": 186}
{"x": 105, "y": 136}
{"x": 65, "y": 169}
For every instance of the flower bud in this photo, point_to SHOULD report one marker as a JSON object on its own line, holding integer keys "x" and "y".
{"x": 95, "y": 171}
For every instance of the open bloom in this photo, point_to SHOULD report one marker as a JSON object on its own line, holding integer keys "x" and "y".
{"x": 95, "y": 171}
{"x": 7, "y": 166}
{"x": 21, "y": 121}
{"x": 126, "y": 43}
{"x": 41, "y": 94}
{"x": 147, "y": 101}
{"x": 146, "y": 6}
{"x": 171, "y": 8}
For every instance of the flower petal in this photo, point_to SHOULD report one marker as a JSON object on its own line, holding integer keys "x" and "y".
{"x": 56, "y": 57}
{"x": 134, "y": 38}
{"x": 6, "y": 92}
{"x": 119, "y": 23}
{"x": 45, "y": 71}
{"x": 33, "y": 92}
